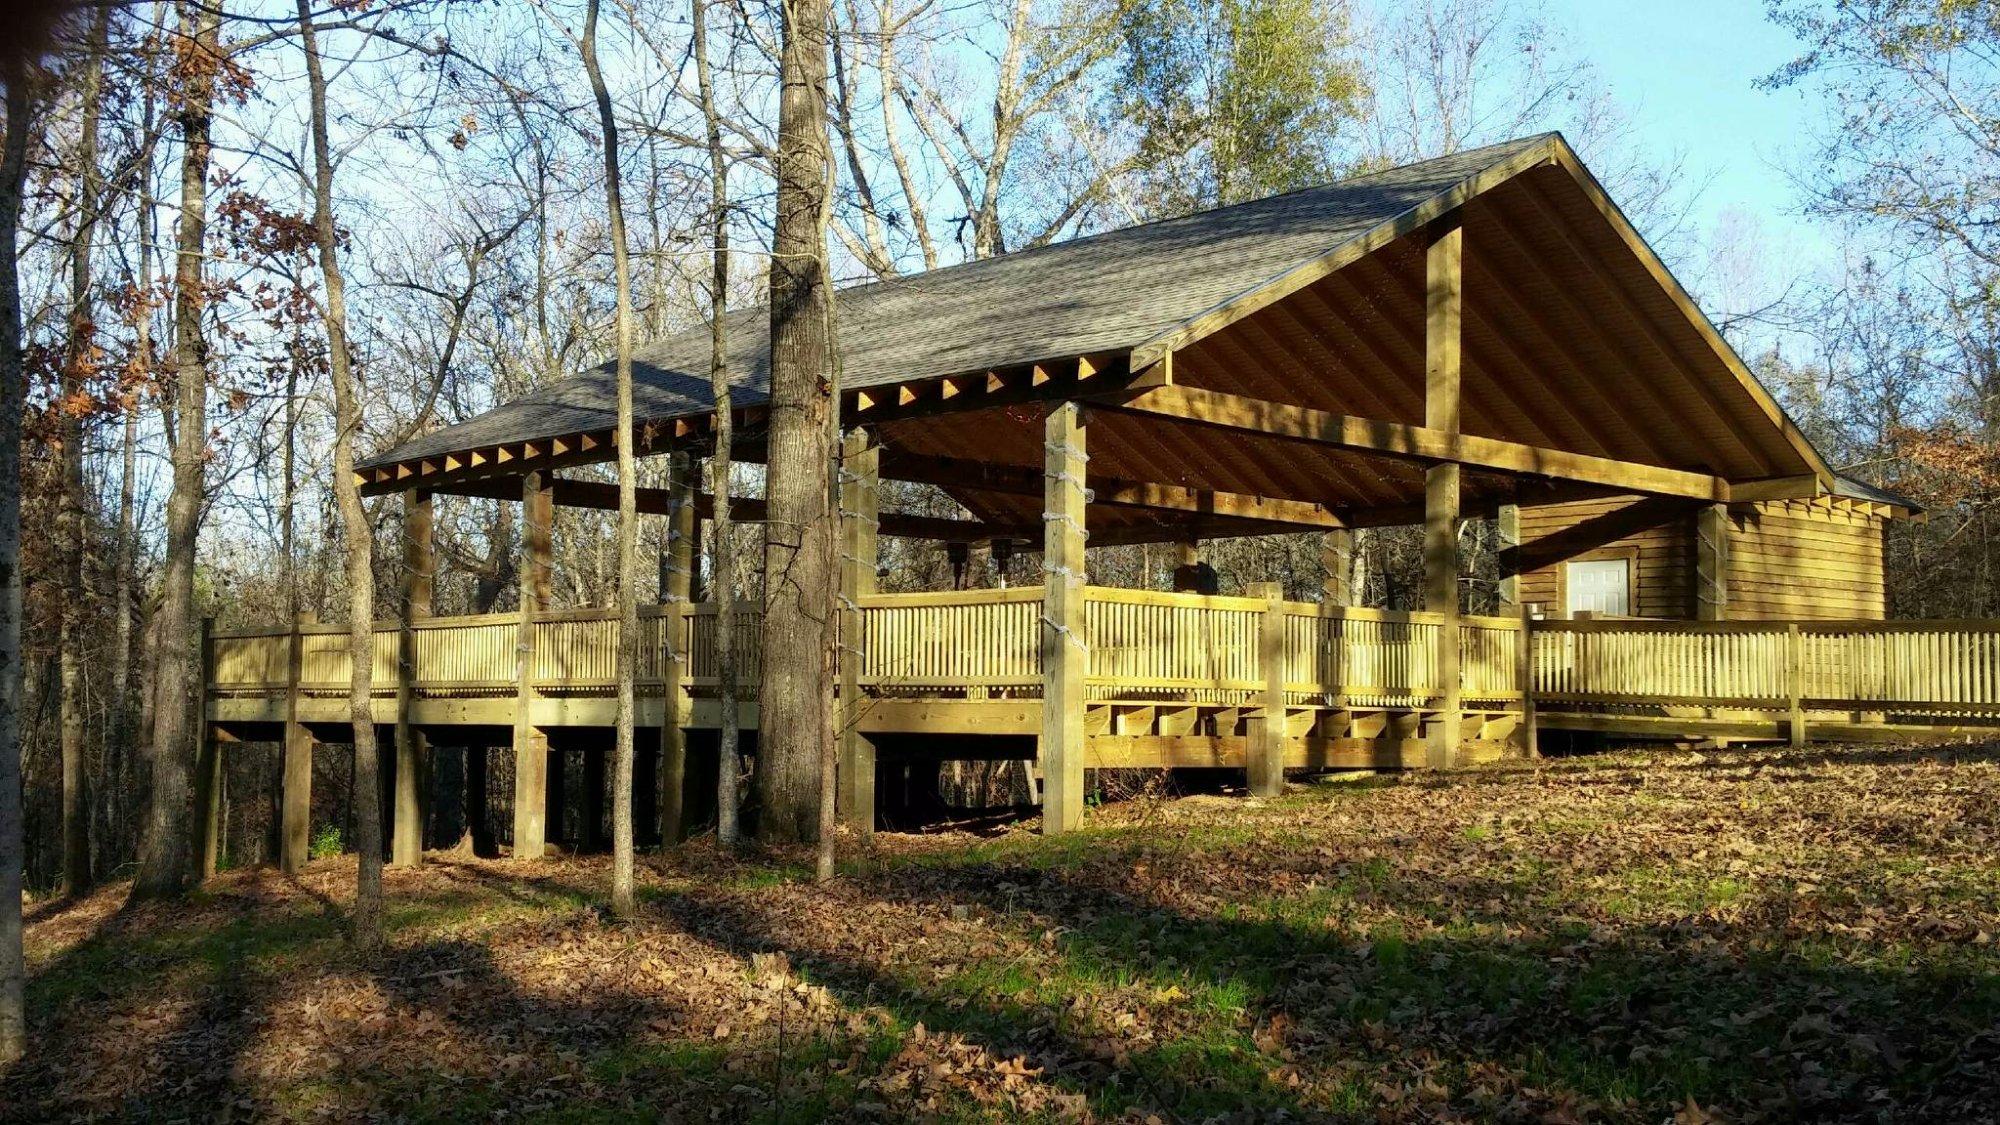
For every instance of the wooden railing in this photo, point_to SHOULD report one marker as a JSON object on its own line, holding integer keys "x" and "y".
{"x": 1145, "y": 646}
{"x": 1910, "y": 668}
{"x": 976, "y": 641}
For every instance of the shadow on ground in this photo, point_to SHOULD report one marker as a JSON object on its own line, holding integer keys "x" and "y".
{"x": 1762, "y": 936}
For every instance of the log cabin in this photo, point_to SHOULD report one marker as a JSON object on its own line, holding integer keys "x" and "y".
{"x": 1483, "y": 335}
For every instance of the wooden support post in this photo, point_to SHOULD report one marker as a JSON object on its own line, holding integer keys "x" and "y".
{"x": 1528, "y": 734}
{"x": 407, "y": 845}
{"x": 478, "y": 820}
{"x": 1187, "y": 552}
{"x": 676, "y": 589}
{"x": 385, "y": 796}
{"x": 1336, "y": 557}
{"x": 1267, "y": 749}
{"x": 1711, "y": 567}
{"x": 959, "y": 555}
{"x": 646, "y": 798}
{"x": 860, "y": 475}
{"x": 592, "y": 838}
{"x": 555, "y": 785}
{"x": 295, "y": 832}
{"x": 208, "y": 799}
{"x": 1444, "y": 302}
{"x": 531, "y": 746}
{"x": 1795, "y": 644}
{"x": 1064, "y": 648}
{"x": 1508, "y": 523}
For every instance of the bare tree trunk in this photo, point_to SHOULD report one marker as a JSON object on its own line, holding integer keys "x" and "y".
{"x": 796, "y": 699}
{"x": 730, "y": 765}
{"x": 288, "y": 550}
{"x": 354, "y": 520}
{"x": 13, "y": 387}
{"x": 166, "y": 861}
{"x": 828, "y": 754}
{"x": 122, "y": 774}
{"x": 72, "y": 529}
{"x": 628, "y": 469}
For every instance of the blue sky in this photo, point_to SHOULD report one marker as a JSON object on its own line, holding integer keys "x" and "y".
{"x": 1687, "y": 74}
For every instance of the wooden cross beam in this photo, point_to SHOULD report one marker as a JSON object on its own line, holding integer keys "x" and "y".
{"x": 1018, "y": 480}
{"x": 603, "y": 496}
{"x": 1415, "y": 443}
{"x": 1592, "y": 533}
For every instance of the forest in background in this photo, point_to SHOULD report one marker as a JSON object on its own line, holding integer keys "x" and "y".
{"x": 468, "y": 178}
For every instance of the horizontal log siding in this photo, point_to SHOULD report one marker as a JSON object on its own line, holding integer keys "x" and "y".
{"x": 1791, "y": 561}
{"x": 1787, "y": 561}
{"x": 1663, "y": 574}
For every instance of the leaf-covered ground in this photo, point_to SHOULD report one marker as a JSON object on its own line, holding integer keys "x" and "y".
{"x": 1640, "y": 936}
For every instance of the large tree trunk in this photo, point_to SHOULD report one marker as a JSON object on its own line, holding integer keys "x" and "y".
{"x": 797, "y": 696}
{"x": 166, "y": 860}
{"x": 72, "y": 528}
{"x": 354, "y": 520}
{"x": 628, "y": 508}
{"x": 122, "y": 780}
{"x": 13, "y": 387}
{"x": 730, "y": 766}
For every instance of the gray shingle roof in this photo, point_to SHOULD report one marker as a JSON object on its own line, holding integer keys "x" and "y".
{"x": 1104, "y": 293}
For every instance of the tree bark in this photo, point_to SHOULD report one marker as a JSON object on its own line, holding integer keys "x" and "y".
{"x": 354, "y": 520}
{"x": 166, "y": 860}
{"x": 628, "y": 508}
{"x": 72, "y": 529}
{"x": 730, "y": 766}
{"x": 13, "y": 389}
{"x": 796, "y": 700}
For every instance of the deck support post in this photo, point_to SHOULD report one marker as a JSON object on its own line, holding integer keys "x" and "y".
{"x": 860, "y": 505}
{"x": 1508, "y": 524}
{"x": 1528, "y": 735}
{"x": 1444, "y": 308}
{"x": 1711, "y": 565}
{"x": 678, "y": 565}
{"x": 208, "y": 795}
{"x": 295, "y": 811}
{"x": 1064, "y": 648}
{"x": 1267, "y": 747}
{"x": 1336, "y": 558}
{"x": 406, "y": 848}
{"x": 555, "y": 829}
{"x": 531, "y": 746}
{"x": 592, "y": 837}
{"x": 478, "y": 821}
{"x": 1795, "y": 646}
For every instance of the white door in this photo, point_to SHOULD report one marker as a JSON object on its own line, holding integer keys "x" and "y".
{"x": 1600, "y": 586}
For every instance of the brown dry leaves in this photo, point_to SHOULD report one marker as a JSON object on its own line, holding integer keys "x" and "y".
{"x": 1646, "y": 937}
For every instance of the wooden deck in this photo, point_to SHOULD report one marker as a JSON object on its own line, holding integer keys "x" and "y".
{"x": 1169, "y": 678}
{"x": 1158, "y": 667}
{"x": 1153, "y": 680}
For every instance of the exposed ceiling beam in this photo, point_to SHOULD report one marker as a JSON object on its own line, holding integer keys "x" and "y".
{"x": 979, "y": 476}
{"x": 603, "y": 496}
{"x": 1417, "y": 443}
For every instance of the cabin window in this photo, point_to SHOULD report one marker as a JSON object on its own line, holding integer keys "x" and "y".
{"x": 1599, "y": 586}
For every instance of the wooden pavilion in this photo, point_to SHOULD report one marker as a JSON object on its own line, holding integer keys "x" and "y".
{"x": 1481, "y": 335}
